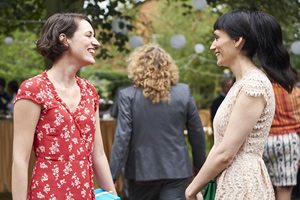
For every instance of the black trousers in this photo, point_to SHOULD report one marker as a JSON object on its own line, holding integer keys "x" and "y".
{"x": 170, "y": 190}
{"x": 296, "y": 188}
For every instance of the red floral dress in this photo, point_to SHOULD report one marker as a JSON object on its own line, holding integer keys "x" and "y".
{"x": 63, "y": 141}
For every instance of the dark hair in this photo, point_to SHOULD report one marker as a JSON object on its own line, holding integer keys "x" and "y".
{"x": 13, "y": 86}
{"x": 49, "y": 44}
{"x": 263, "y": 37}
{"x": 2, "y": 82}
{"x": 223, "y": 83}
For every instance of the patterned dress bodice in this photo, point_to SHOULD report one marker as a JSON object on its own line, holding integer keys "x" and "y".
{"x": 63, "y": 141}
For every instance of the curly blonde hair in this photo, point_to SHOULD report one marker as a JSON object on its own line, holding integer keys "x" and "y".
{"x": 152, "y": 68}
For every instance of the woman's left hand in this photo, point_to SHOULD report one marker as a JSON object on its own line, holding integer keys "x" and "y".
{"x": 197, "y": 197}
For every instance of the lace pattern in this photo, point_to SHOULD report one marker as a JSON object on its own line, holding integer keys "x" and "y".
{"x": 247, "y": 176}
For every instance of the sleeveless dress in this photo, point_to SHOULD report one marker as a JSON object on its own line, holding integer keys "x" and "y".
{"x": 63, "y": 141}
{"x": 246, "y": 178}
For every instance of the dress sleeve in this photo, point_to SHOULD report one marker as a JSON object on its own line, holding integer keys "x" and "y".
{"x": 30, "y": 90}
{"x": 256, "y": 85}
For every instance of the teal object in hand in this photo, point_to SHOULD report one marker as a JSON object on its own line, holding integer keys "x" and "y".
{"x": 210, "y": 190}
{"x": 104, "y": 195}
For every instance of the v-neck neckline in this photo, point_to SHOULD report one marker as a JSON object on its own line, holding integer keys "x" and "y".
{"x": 58, "y": 98}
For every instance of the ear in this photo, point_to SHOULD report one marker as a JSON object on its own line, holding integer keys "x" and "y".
{"x": 63, "y": 39}
{"x": 239, "y": 42}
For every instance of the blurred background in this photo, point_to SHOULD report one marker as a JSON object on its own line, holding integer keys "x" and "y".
{"x": 184, "y": 28}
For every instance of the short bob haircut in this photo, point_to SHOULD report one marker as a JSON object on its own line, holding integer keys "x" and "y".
{"x": 152, "y": 69}
{"x": 49, "y": 44}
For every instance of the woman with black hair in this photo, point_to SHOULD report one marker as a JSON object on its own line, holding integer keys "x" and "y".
{"x": 243, "y": 120}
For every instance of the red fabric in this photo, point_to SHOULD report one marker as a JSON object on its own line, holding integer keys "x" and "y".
{"x": 63, "y": 141}
{"x": 287, "y": 111}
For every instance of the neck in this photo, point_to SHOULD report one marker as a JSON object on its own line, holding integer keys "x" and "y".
{"x": 62, "y": 78}
{"x": 241, "y": 67}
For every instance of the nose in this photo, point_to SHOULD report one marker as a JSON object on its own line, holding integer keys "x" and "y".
{"x": 212, "y": 47}
{"x": 95, "y": 43}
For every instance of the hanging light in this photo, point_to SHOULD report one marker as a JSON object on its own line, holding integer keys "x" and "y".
{"x": 199, "y": 48}
{"x": 135, "y": 41}
{"x": 119, "y": 25}
{"x": 8, "y": 40}
{"x": 199, "y": 4}
{"x": 295, "y": 47}
{"x": 226, "y": 73}
{"x": 177, "y": 41}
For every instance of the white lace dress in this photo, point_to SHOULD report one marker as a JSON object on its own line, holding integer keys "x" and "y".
{"x": 246, "y": 177}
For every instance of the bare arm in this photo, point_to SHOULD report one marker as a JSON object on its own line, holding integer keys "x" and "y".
{"x": 26, "y": 116}
{"x": 101, "y": 167}
{"x": 244, "y": 116}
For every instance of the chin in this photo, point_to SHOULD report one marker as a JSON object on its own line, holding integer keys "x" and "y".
{"x": 90, "y": 63}
{"x": 219, "y": 64}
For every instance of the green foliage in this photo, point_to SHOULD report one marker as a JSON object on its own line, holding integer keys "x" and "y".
{"x": 106, "y": 82}
{"x": 23, "y": 20}
{"x": 102, "y": 18}
{"x": 199, "y": 71}
{"x": 286, "y": 11}
{"x": 31, "y": 14}
{"x": 20, "y": 60}
{"x": 208, "y": 142}
{"x": 21, "y": 15}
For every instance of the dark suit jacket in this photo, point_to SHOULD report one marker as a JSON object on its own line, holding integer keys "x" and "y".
{"x": 215, "y": 105}
{"x": 4, "y": 100}
{"x": 150, "y": 139}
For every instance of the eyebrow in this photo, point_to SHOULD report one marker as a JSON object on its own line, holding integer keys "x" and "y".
{"x": 216, "y": 33}
{"x": 91, "y": 32}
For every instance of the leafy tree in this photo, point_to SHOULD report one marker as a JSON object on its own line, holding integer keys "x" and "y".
{"x": 31, "y": 14}
{"x": 20, "y": 14}
{"x": 286, "y": 11}
{"x": 19, "y": 60}
{"x": 107, "y": 82}
{"x": 25, "y": 18}
{"x": 200, "y": 70}
{"x": 103, "y": 17}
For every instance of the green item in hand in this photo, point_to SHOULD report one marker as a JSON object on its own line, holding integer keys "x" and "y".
{"x": 210, "y": 190}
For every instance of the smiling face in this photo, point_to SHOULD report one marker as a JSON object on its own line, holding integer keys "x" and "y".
{"x": 83, "y": 43}
{"x": 224, "y": 48}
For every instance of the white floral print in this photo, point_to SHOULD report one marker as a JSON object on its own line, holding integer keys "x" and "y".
{"x": 63, "y": 141}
